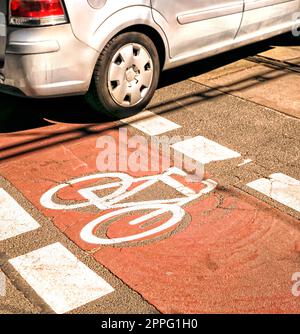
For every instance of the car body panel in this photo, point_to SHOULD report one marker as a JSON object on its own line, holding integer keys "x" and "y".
{"x": 262, "y": 15}
{"x": 192, "y": 25}
{"x": 40, "y": 65}
{"x": 86, "y": 21}
{"x": 40, "y": 61}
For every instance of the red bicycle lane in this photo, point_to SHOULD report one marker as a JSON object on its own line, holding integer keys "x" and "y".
{"x": 232, "y": 254}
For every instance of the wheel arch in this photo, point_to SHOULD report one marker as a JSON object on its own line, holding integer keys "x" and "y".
{"x": 131, "y": 19}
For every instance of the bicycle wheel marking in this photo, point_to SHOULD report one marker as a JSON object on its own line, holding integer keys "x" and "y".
{"x": 115, "y": 203}
{"x": 87, "y": 234}
{"x": 47, "y": 202}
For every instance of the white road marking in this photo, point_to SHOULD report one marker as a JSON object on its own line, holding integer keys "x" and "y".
{"x": 60, "y": 279}
{"x": 14, "y": 220}
{"x": 204, "y": 150}
{"x": 2, "y": 285}
{"x": 246, "y": 162}
{"x": 151, "y": 124}
{"x": 281, "y": 188}
{"x": 116, "y": 200}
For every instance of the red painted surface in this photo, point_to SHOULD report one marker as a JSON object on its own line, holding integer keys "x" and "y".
{"x": 236, "y": 255}
{"x": 236, "y": 258}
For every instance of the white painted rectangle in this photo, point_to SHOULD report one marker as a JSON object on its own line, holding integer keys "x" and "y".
{"x": 281, "y": 188}
{"x": 60, "y": 279}
{"x": 2, "y": 285}
{"x": 151, "y": 124}
{"x": 14, "y": 220}
{"x": 204, "y": 150}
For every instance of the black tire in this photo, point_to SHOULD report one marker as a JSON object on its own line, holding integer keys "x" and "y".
{"x": 99, "y": 96}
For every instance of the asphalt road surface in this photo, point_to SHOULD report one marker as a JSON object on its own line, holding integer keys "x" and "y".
{"x": 232, "y": 245}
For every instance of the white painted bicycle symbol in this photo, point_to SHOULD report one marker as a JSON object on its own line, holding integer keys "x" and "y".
{"x": 121, "y": 192}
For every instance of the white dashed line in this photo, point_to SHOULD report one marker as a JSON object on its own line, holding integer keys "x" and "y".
{"x": 246, "y": 162}
{"x": 281, "y": 188}
{"x": 60, "y": 279}
{"x": 151, "y": 124}
{"x": 3, "y": 286}
{"x": 14, "y": 220}
{"x": 204, "y": 150}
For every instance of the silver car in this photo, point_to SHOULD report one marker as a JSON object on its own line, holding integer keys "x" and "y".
{"x": 113, "y": 51}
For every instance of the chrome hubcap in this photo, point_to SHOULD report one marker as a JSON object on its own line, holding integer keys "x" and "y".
{"x": 130, "y": 75}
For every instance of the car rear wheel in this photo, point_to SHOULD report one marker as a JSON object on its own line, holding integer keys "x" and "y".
{"x": 126, "y": 76}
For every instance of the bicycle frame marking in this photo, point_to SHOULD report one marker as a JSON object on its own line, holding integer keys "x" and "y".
{"x": 113, "y": 201}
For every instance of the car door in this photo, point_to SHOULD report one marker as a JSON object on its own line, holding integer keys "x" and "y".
{"x": 195, "y": 25}
{"x": 266, "y": 15}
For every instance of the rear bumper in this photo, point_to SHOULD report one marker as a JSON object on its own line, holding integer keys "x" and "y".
{"x": 45, "y": 62}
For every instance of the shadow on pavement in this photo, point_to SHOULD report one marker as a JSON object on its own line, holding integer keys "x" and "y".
{"x": 19, "y": 114}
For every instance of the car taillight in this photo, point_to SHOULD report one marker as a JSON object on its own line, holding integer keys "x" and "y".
{"x": 36, "y": 12}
